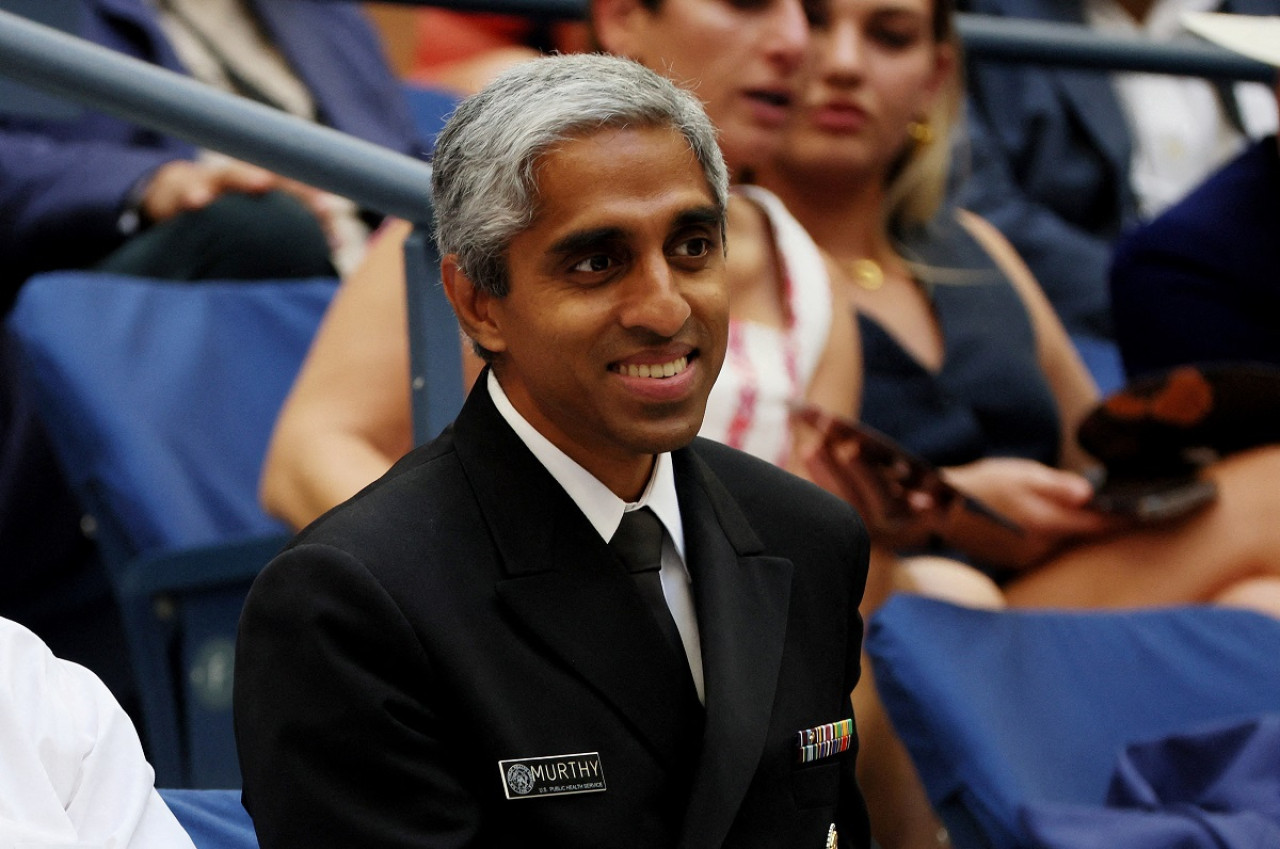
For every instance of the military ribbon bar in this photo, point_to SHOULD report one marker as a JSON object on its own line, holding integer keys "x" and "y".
{"x": 823, "y": 741}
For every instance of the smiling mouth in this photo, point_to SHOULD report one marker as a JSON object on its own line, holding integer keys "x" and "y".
{"x": 658, "y": 370}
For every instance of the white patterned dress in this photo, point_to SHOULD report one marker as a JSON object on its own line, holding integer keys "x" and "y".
{"x": 766, "y": 367}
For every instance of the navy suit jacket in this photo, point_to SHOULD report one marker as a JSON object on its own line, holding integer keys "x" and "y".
{"x": 64, "y": 183}
{"x": 1202, "y": 281}
{"x": 462, "y": 612}
{"x": 1049, "y": 163}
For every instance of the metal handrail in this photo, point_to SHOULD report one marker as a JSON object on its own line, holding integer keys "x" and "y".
{"x": 1073, "y": 45}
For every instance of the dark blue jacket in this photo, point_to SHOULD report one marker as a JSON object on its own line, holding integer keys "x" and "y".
{"x": 1202, "y": 281}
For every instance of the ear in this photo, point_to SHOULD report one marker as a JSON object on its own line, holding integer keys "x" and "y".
{"x": 472, "y": 305}
{"x": 620, "y": 26}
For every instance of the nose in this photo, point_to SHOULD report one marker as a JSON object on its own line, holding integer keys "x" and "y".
{"x": 840, "y": 52}
{"x": 653, "y": 299}
{"x": 787, "y": 35}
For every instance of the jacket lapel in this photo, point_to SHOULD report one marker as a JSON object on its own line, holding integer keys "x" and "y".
{"x": 564, "y": 586}
{"x": 742, "y": 599}
{"x": 299, "y": 33}
{"x": 1093, "y": 98}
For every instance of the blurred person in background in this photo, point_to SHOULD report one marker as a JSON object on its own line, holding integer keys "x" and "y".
{"x": 964, "y": 363}
{"x": 1063, "y": 160}
{"x": 83, "y": 189}
{"x": 1199, "y": 283}
{"x": 87, "y": 189}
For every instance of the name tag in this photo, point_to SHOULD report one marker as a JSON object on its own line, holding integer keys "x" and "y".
{"x": 553, "y": 775}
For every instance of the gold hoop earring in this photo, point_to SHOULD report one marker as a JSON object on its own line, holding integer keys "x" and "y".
{"x": 920, "y": 132}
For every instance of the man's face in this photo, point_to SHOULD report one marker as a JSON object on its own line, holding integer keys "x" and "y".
{"x": 615, "y": 323}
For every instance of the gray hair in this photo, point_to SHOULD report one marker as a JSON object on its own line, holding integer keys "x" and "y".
{"x": 484, "y": 185}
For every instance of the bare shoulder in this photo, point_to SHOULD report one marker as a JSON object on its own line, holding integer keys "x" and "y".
{"x": 1001, "y": 250}
{"x": 1007, "y": 258}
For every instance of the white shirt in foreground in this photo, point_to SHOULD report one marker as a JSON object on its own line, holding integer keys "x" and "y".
{"x": 72, "y": 772}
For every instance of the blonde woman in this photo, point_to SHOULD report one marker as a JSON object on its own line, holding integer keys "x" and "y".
{"x": 965, "y": 363}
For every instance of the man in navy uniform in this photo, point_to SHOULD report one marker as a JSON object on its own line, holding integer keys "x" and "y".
{"x": 567, "y": 622}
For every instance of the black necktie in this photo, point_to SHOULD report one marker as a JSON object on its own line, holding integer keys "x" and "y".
{"x": 638, "y": 543}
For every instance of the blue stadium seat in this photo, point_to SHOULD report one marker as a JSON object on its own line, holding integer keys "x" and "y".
{"x": 1102, "y": 358}
{"x": 159, "y": 399}
{"x": 435, "y": 342}
{"x": 214, "y": 819}
{"x": 1003, "y": 711}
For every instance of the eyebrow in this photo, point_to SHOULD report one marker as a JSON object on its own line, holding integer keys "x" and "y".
{"x": 584, "y": 240}
{"x": 699, "y": 215}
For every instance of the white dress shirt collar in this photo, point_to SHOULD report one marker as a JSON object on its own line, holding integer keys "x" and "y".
{"x": 597, "y": 502}
{"x": 604, "y": 511}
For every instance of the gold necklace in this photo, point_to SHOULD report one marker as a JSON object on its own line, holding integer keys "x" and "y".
{"x": 867, "y": 273}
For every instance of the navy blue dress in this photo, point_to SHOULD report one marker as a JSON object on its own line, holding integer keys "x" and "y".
{"x": 990, "y": 398}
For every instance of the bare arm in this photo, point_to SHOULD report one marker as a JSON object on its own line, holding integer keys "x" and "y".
{"x": 837, "y": 382}
{"x": 836, "y": 385}
{"x": 348, "y": 417}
